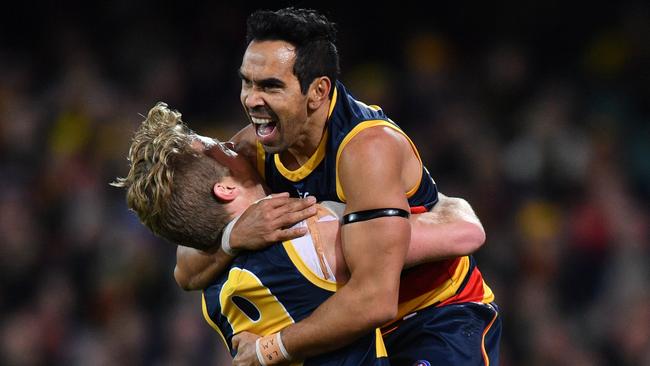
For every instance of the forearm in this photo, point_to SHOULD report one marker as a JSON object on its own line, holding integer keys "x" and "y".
{"x": 196, "y": 269}
{"x": 450, "y": 230}
{"x": 442, "y": 241}
{"x": 374, "y": 250}
{"x": 337, "y": 322}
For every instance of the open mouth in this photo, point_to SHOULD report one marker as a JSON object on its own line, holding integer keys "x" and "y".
{"x": 264, "y": 127}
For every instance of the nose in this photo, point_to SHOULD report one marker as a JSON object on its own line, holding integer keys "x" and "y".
{"x": 252, "y": 98}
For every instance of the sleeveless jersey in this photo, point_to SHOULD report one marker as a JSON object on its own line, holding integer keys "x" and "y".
{"x": 438, "y": 283}
{"x": 266, "y": 291}
{"x": 318, "y": 176}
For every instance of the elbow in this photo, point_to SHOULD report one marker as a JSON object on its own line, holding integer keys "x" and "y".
{"x": 182, "y": 280}
{"x": 474, "y": 237}
{"x": 385, "y": 315}
{"x": 384, "y": 309}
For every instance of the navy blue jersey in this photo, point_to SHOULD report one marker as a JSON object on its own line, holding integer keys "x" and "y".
{"x": 421, "y": 286}
{"x": 265, "y": 291}
{"x": 318, "y": 176}
{"x": 430, "y": 285}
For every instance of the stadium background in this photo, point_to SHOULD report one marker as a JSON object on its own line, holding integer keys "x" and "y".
{"x": 537, "y": 113}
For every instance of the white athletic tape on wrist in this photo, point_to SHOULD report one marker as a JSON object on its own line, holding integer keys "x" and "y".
{"x": 286, "y": 354}
{"x": 225, "y": 238}
{"x": 258, "y": 351}
{"x": 270, "y": 350}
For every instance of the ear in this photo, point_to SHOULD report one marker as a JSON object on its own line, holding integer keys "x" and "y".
{"x": 319, "y": 91}
{"x": 225, "y": 192}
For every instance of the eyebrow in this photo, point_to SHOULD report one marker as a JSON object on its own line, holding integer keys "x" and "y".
{"x": 264, "y": 83}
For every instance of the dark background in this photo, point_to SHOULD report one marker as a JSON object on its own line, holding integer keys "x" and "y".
{"x": 536, "y": 113}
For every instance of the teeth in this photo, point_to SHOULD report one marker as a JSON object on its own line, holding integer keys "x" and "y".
{"x": 261, "y": 121}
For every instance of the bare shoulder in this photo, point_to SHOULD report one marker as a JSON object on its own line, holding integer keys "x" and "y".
{"x": 373, "y": 142}
{"x": 370, "y": 170}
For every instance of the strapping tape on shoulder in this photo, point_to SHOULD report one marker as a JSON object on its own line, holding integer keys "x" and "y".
{"x": 373, "y": 214}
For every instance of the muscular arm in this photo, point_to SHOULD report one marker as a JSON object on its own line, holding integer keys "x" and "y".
{"x": 451, "y": 229}
{"x": 195, "y": 269}
{"x": 374, "y": 250}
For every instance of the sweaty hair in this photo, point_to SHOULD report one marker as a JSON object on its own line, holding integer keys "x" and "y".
{"x": 169, "y": 184}
{"x": 310, "y": 32}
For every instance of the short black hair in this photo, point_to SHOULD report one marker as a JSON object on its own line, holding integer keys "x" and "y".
{"x": 313, "y": 35}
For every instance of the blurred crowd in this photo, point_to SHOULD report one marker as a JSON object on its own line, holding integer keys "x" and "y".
{"x": 542, "y": 124}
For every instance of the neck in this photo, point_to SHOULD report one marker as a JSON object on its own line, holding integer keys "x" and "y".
{"x": 248, "y": 196}
{"x": 303, "y": 149}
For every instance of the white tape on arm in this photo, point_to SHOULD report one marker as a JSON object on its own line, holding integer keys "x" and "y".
{"x": 258, "y": 351}
{"x": 271, "y": 351}
{"x": 286, "y": 354}
{"x": 225, "y": 238}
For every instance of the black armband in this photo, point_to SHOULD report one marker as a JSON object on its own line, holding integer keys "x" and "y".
{"x": 373, "y": 214}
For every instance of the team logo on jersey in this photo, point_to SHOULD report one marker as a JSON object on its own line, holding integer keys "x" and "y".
{"x": 422, "y": 363}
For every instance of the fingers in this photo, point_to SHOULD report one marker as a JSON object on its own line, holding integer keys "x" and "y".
{"x": 286, "y": 210}
{"x": 298, "y": 204}
{"x": 292, "y": 212}
{"x": 270, "y": 220}
{"x": 291, "y": 233}
{"x": 280, "y": 235}
{"x": 283, "y": 205}
{"x": 235, "y": 342}
{"x": 291, "y": 218}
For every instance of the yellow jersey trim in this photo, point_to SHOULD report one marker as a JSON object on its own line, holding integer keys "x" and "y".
{"x": 311, "y": 164}
{"x": 306, "y": 271}
{"x": 261, "y": 159}
{"x": 488, "y": 295}
{"x": 380, "y": 347}
{"x": 446, "y": 290}
{"x": 355, "y": 131}
{"x": 306, "y": 169}
{"x": 204, "y": 307}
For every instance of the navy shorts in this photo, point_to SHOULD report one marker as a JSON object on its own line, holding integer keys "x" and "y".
{"x": 458, "y": 334}
{"x": 363, "y": 352}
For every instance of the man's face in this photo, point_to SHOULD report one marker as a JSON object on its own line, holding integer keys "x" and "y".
{"x": 271, "y": 96}
{"x": 223, "y": 153}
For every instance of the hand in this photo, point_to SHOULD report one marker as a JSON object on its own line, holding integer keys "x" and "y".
{"x": 244, "y": 344}
{"x": 266, "y": 221}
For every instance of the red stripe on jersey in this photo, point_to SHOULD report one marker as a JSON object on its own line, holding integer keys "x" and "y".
{"x": 425, "y": 277}
{"x": 418, "y": 210}
{"x": 473, "y": 291}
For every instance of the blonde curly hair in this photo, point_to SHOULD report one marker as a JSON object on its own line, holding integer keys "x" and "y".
{"x": 169, "y": 184}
